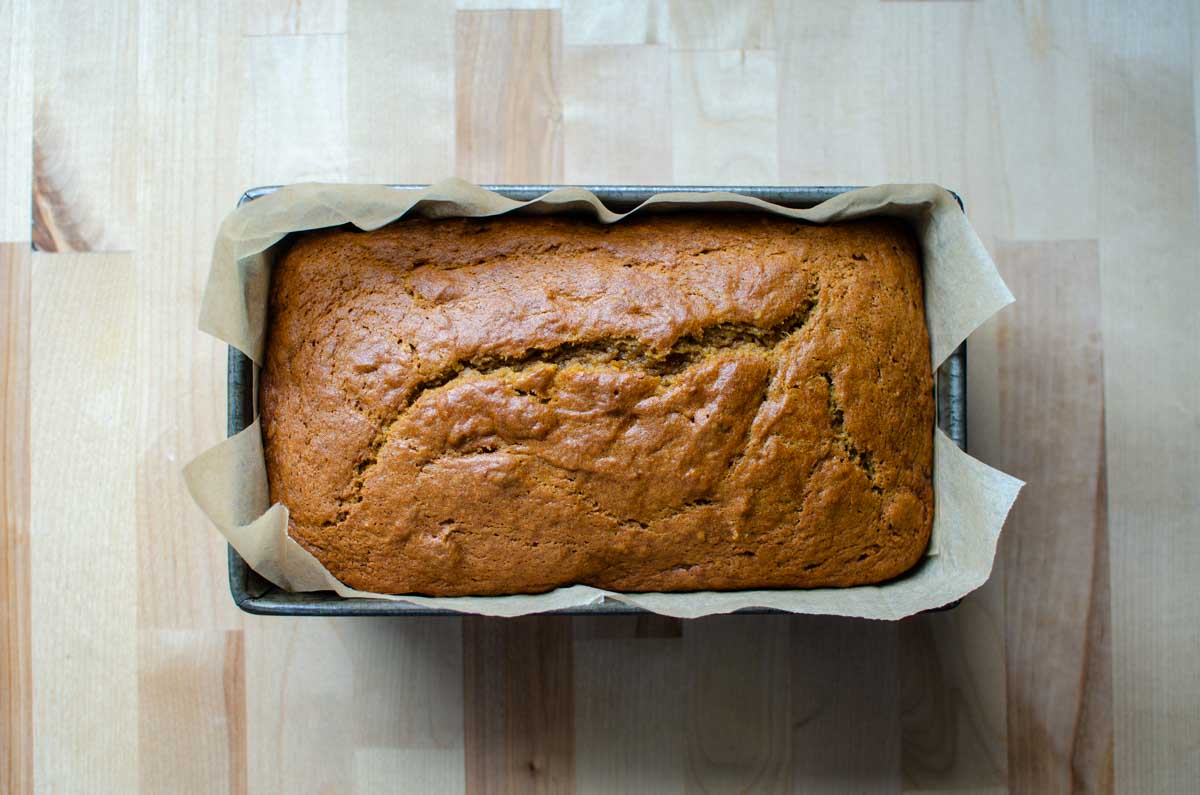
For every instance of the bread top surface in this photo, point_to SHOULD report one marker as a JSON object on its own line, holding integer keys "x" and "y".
{"x": 671, "y": 402}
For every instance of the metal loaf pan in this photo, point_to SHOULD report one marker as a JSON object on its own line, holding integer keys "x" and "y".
{"x": 255, "y": 595}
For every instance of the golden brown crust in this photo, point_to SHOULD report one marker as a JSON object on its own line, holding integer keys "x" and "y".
{"x": 673, "y": 402}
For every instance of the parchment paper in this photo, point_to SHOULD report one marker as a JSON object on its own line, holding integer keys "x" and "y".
{"x": 962, "y": 290}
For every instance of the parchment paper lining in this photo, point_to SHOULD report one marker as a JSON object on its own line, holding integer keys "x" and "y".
{"x": 962, "y": 290}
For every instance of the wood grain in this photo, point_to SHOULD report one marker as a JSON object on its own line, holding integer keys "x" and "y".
{"x": 518, "y": 704}
{"x": 16, "y": 118}
{"x": 630, "y": 709}
{"x": 400, "y": 91}
{"x": 819, "y": 44}
{"x": 85, "y": 113}
{"x": 16, "y": 679}
{"x": 303, "y": 677}
{"x": 407, "y": 771}
{"x": 507, "y": 102}
{"x": 1145, "y": 136}
{"x": 1039, "y": 81}
{"x": 1092, "y": 749}
{"x": 930, "y": 70}
{"x": 293, "y": 17}
{"x": 627, "y": 627}
{"x": 193, "y": 739}
{"x": 953, "y": 734}
{"x": 738, "y": 681}
{"x": 913, "y": 101}
{"x": 1049, "y": 347}
{"x": 634, "y": 22}
{"x": 507, "y": 5}
{"x": 388, "y": 692}
{"x": 193, "y": 734}
{"x": 285, "y": 136}
{"x": 408, "y": 682}
{"x": 723, "y": 119}
{"x": 187, "y": 181}
{"x": 845, "y": 705}
{"x": 722, "y": 24}
{"x": 601, "y": 84}
{"x": 233, "y": 679}
{"x": 84, "y": 615}
{"x": 408, "y": 704}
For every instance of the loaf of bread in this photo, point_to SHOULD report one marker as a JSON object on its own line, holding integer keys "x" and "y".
{"x": 700, "y": 401}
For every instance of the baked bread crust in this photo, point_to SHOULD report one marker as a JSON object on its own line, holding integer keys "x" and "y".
{"x": 701, "y": 401}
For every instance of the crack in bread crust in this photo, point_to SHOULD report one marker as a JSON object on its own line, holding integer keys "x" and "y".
{"x": 842, "y": 438}
{"x": 688, "y": 351}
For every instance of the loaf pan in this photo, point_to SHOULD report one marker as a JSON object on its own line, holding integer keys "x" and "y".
{"x": 254, "y": 594}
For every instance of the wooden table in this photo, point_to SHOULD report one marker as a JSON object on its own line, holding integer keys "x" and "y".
{"x": 1071, "y": 132}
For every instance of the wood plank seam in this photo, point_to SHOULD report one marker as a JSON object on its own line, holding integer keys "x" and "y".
{"x": 16, "y": 682}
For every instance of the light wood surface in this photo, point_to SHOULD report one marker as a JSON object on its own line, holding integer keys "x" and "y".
{"x": 128, "y": 129}
{"x": 16, "y": 648}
